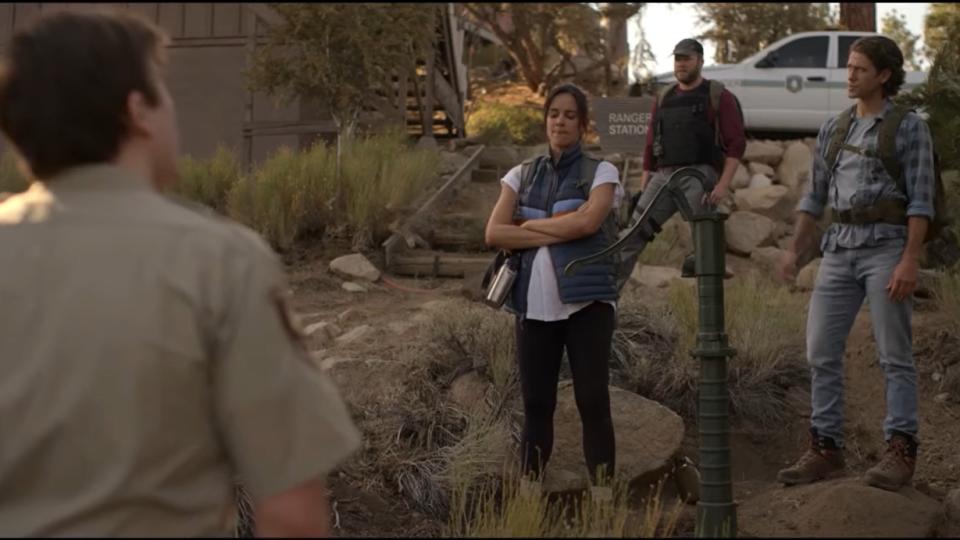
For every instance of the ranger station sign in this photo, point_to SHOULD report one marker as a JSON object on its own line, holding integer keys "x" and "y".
{"x": 622, "y": 122}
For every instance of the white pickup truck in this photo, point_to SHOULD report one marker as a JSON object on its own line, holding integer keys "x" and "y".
{"x": 795, "y": 84}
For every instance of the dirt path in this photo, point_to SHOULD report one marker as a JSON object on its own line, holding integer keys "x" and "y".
{"x": 773, "y": 510}
{"x": 395, "y": 320}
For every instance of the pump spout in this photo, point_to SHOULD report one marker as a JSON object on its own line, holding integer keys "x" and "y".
{"x": 668, "y": 187}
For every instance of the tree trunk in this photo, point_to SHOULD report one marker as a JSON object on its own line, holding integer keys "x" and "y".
{"x": 346, "y": 122}
{"x": 859, "y": 16}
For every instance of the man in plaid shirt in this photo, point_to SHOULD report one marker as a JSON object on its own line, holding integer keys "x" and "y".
{"x": 874, "y": 257}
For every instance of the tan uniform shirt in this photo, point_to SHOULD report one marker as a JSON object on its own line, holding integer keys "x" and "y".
{"x": 144, "y": 361}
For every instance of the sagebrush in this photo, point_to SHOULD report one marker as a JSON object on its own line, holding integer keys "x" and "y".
{"x": 292, "y": 194}
{"x": 765, "y": 324}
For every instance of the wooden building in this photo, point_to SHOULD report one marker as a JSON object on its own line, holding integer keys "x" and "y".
{"x": 209, "y": 51}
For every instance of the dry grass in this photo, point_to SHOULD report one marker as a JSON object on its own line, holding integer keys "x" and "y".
{"x": 764, "y": 322}
{"x": 279, "y": 199}
{"x": 948, "y": 297}
{"x": 291, "y": 194}
{"x": 503, "y": 512}
{"x": 666, "y": 249}
{"x": 472, "y": 481}
{"x": 381, "y": 175}
{"x": 209, "y": 181}
{"x": 480, "y": 336}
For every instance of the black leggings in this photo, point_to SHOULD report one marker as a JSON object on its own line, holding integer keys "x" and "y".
{"x": 587, "y": 335}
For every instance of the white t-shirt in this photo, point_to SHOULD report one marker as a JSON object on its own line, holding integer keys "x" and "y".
{"x": 543, "y": 296}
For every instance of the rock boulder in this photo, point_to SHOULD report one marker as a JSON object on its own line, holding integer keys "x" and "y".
{"x": 794, "y": 168}
{"x": 771, "y": 201}
{"x": 648, "y": 438}
{"x": 355, "y": 266}
{"x": 746, "y": 231}
{"x": 763, "y": 152}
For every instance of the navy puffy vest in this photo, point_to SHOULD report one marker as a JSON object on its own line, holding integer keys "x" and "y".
{"x": 555, "y": 189}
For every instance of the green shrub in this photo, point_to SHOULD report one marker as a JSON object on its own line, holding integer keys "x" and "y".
{"x": 382, "y": 174}
{"x": 948, "y": 296}
{"x": 764, "y": 323}
{"x": 11, "y": 178}
{"x": 209, "y": 181}
{"x": 939, "y": 96}
{"x": 287, "y": 195}
{"x": 495, "y": 123}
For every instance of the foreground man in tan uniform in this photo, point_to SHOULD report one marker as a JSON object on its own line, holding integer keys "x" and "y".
{"x": 146, "y": 350}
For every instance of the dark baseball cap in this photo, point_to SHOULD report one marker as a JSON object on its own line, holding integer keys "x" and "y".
{"x": 688, "y": 47}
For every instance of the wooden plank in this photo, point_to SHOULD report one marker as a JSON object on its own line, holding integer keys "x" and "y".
{"x": 226, "y": 20}
{"x": 197, "y": 17}
{"x": 438, "y": 265}
{"x": 171, "y": 18}
{"x": 457, "y": 239}
{"x": 457, "y": 178}
{"x": 293, "y": 129}
{"x": 193, "y": 43}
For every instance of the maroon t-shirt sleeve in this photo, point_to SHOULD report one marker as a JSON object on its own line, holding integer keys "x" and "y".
{"x": 648, "y": 146}
{"x": 731, "y": 128}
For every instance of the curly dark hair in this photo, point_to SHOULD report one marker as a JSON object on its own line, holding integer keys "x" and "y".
{"x": 883, "y": 53}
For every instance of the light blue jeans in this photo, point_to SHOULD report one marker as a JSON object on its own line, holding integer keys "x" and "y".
{"x": 845, "y": 278}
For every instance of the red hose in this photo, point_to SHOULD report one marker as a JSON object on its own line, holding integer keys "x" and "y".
{"x": 394, "y": 285}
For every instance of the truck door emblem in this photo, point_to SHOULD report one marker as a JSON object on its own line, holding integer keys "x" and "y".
{"x": 794, "y": 83}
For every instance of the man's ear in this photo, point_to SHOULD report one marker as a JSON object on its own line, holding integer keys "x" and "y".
{"x": 885, "y": 76}
{"x": 138, "y": 114}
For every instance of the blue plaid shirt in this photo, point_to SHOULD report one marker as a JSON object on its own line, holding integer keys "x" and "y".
{"x": 915, "y": 148}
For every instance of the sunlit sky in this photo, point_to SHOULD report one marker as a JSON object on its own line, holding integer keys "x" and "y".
{"x": 666, "y": 23}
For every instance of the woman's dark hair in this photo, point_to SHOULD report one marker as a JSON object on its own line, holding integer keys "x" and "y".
{"x": 883, "y": 53}
{"x": 583, "y": 111}
{"x": 65, "y": 82}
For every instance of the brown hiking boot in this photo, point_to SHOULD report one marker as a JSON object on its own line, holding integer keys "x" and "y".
{"x": 823, "y": 459}
{"x": 896, "y": 468}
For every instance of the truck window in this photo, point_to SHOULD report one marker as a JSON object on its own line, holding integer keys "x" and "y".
{"x": 843, "y": 52}
{"x": 808, "y": 52}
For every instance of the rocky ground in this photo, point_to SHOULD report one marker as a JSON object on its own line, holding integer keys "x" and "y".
{"x": 366, "y": 331}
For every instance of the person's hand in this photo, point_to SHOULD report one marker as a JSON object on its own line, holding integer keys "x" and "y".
{"x": 718, "y": 194}
{"x": 904, "y": 280}
{"x": 787, "y": 267}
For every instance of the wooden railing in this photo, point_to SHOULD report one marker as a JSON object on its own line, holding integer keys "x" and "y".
{"x": 404, "y": 233}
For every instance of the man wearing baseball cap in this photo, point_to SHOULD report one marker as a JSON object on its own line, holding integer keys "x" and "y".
{"x": 694, "y": 122}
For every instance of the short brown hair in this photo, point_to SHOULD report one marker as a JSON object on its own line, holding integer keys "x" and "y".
{"x": 883, "y": 53}
{"x": 65, "y": 82}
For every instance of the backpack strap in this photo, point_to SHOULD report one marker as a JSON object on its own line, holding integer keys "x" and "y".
{"x": 840, "y": 130}
{"x": 588, "y": 171}
{"x": 663, "y": 93}
{"x": 716, "y": 89}
{"x": 528, "y": 168}
{"x": 887, "y": 144}
{"x": 658, "y": 123}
